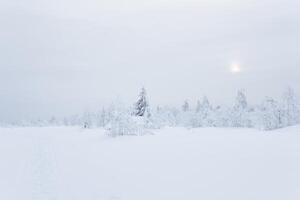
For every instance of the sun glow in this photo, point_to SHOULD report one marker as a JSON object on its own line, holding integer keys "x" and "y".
{"x": 235, "y": 68}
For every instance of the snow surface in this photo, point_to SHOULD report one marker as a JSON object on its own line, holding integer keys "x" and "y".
{"x": 175, "y": 163}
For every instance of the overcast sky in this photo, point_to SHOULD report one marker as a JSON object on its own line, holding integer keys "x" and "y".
{"x": 60, "y": 57}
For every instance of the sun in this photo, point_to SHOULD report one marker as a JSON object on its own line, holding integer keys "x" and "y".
{"x": 235, "y": 68}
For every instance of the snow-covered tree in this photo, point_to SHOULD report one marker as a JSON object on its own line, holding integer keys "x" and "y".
{"x": 195, "y": 116}
{"x": 185, "y": 118}
{"x": 87, "y": 120}
{"x": 102, "y": 118}
{"x": 166, "y": 116}
{"x": 290, "y": 108}
{"x": 240, "y": 101}
{"x": 186, "y": 106}
{"x": 142, "y": 111}
{"x": 122, "y": 123}
{"x": 205, "y": 113}
{"x": 220, "y": 116}
{"x": 240, "y": 111}
{"x": 269, "y": 115}
{"x": 198, "y": 106}
{"x": 141, "y": 106}
{"x": 53, "y": 121}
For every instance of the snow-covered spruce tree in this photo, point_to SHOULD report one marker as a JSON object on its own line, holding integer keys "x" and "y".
{"x": 241, "y": 100}
{"x": 141, "y": 106}
{"x": 87, "y": 120}
{"x": 141, "y": 111}
{"x": 290, "y": 108}
{"x": 269, "y": 115}
{"x": 239, "y": 115}
{"x": 205, "y": 113}
{"x": 195, "y": 118}
{"x": 198, "y": 106}
{"x": 186, "y": 106}
{"x": 186, "y": 115}
{"x": 102, "y": 117}
{"x": 53, "y": 121}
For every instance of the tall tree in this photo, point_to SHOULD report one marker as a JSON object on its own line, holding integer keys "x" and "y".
{"x": 240, "y": 101}
{"x": 198, "y": 106}
{"x": 270, "y": 115}
{"x": 206, "y": 107}
{"x": 204, "y": 112}
{"x": 141, "y": 106}
{"x": 185, "y": 106}
{"x": 239, "y": 112}
{"x": 290, "y": 107}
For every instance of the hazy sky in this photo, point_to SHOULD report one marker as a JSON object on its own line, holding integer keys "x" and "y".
{"x": 63, "y": 56}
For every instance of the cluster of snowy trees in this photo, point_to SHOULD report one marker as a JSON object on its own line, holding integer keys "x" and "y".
{"x": 137, "y": 119}
{"x": 269, "y": 115}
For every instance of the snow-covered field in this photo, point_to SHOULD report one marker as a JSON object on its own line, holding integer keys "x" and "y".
{"x": 173, "y": 164}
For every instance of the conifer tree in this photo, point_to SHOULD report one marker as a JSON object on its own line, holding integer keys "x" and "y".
{"x": 198, "y": 107}
{"x": 270, "y": 115}
{"x": 141, "y": 106}
{"x": 239, "y": 112}
{"x": 290, "y": 108}
{"x": 240, "y": 101}
{"x": 185, "y": 106}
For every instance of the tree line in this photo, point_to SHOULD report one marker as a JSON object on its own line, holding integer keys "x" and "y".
{"x": 119, "y": 119}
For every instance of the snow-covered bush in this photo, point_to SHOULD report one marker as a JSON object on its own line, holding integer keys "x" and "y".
{"x": 165, "y": 116}
{"x": 221, "y": 116}
{"x": 269, "y": 115}
{"x": 122, "y": 124}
